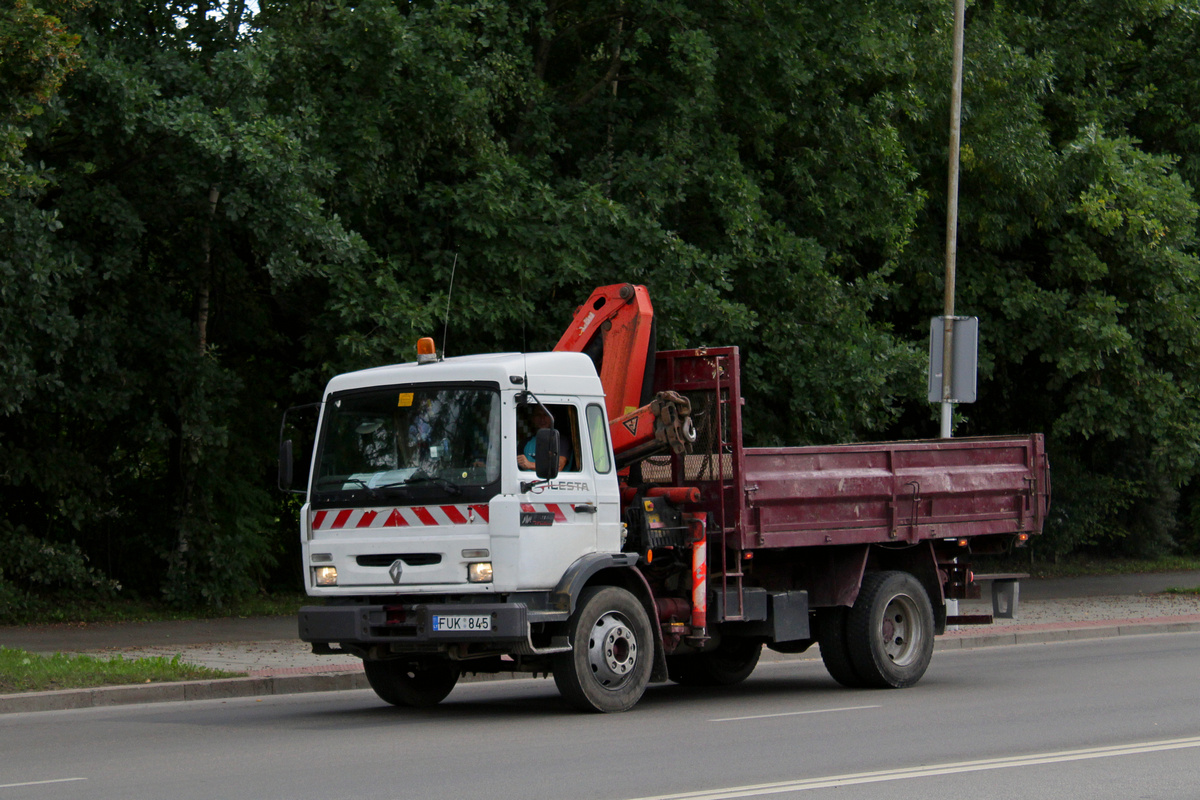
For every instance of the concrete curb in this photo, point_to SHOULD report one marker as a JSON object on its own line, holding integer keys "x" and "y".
{"x": 220, "y": 689}
{"x": 1067, "y": 631}
{"x": 280, "y": 684}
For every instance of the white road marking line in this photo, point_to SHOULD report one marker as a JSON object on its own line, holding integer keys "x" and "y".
{"x": 933, "y": 770}
{"x": 795, "y": 713}
{"x": 39, "y": 783}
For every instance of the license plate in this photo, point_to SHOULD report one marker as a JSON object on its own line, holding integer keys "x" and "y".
{"x": 462, "y": 622}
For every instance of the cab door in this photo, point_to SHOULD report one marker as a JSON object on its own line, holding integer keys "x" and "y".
{"x": 558, "y": 518}
{"x": 608, "y": 491}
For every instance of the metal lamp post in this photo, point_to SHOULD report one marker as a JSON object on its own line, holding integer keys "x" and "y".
{"x": 952, "y": 222}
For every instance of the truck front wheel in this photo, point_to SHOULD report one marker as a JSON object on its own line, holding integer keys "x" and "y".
{"x": 415, "y": 682}
{"x": 608, "y": 666}
{"x": 889, "y": 630}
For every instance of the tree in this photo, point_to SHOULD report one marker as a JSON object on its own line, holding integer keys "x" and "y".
{"x": 183, "y": 206}
{"x": 538, "y": 150}
{"x": 36, "y": 55}
{"x": 222, "y": 209}
{"x": 1077, "y": 251}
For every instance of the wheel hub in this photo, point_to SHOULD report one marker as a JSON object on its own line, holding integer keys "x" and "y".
{"x": 612, "y": 651}
{"x": 899, "y": 633}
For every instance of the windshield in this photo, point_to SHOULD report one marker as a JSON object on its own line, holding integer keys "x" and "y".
{"x": 439, "y": 440}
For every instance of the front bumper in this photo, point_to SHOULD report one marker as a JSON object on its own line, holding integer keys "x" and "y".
{"x": 410, "y": 624}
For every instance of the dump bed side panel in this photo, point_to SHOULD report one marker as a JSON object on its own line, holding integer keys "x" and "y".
{"x": 893, "y": 491}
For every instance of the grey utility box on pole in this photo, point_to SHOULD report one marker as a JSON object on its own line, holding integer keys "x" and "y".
{"x": 965, "y": 360}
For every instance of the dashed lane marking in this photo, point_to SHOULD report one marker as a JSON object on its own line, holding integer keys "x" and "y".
{"x": 39, "y": 783}
{"x": 795, "y": 713}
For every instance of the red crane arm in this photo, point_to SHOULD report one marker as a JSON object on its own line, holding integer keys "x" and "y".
{"x": 616, "y": 328}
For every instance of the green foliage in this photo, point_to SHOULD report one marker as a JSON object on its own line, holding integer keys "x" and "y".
{"x": 36, "y": 55}
{"x": 1077, "y": 249}
{"x": 615, "y": 145}
{"x": 207, "y": 213}
{"x": 36, "y": 573}
{"x": 134, "y": 421}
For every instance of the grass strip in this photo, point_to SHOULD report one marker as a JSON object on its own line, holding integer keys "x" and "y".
{"x": 22, "y": 671}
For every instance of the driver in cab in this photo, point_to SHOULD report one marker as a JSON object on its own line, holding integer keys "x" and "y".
{"x": 540, "y": 418}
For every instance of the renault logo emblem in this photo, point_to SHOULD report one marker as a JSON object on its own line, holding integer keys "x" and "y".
{"x": 396, "y": 570}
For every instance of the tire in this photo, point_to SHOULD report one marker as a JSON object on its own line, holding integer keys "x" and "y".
{"x": 609, "y": 664}
{"x": 835, "y": 652}
{"x": 414, "y": 682}
{"x": 731, "y": 663}
{"x": 890, "y": 630}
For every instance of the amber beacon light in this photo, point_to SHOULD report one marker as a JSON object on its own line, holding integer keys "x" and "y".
{"x": 426, "y": 353}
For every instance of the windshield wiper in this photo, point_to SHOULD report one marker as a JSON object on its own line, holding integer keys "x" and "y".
{"x": 343, "y": 481}
{"x": 450, "y": 486}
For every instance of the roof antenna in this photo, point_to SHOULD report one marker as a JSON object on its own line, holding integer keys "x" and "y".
{"x": 446, "y": 323}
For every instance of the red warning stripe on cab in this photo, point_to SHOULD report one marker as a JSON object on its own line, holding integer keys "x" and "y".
{"x": 401, "y": 517}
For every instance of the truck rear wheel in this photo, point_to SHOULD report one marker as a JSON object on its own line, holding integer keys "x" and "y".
{"x": 608, "y": 666}
{"x": 415, "y": 682}
{"x": 731, "y": 663}
{"x": 889, "y": 630}
{"x": 834, "y": 646}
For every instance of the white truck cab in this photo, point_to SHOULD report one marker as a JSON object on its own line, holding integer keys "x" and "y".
{"x": 417, "y": 464}
{"x": 422, "y": 533}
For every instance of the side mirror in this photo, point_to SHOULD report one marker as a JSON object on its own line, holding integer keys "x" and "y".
{"x": 285, "y": 465}
{"x": 300, "y": 423}
{"x": 546, "y": 454}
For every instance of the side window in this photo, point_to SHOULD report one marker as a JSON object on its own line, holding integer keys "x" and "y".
{"x": 598, "y": 435}
{"x": 566, "y": 420}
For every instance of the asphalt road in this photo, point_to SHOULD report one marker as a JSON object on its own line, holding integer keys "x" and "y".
{"x": 1105, "y": 718}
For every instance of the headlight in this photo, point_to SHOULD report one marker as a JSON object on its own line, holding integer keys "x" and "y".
{"x": 325, "y": 576}
{"x": 479, "y": 572}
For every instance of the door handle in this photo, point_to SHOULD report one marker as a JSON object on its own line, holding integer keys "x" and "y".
{"x": 584, "y": 508}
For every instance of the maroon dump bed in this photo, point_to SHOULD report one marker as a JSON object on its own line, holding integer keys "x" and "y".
{"x": 892, "y": 492}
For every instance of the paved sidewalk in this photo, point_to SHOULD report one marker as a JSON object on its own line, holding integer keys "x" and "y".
{"x": 275, "y": 661}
